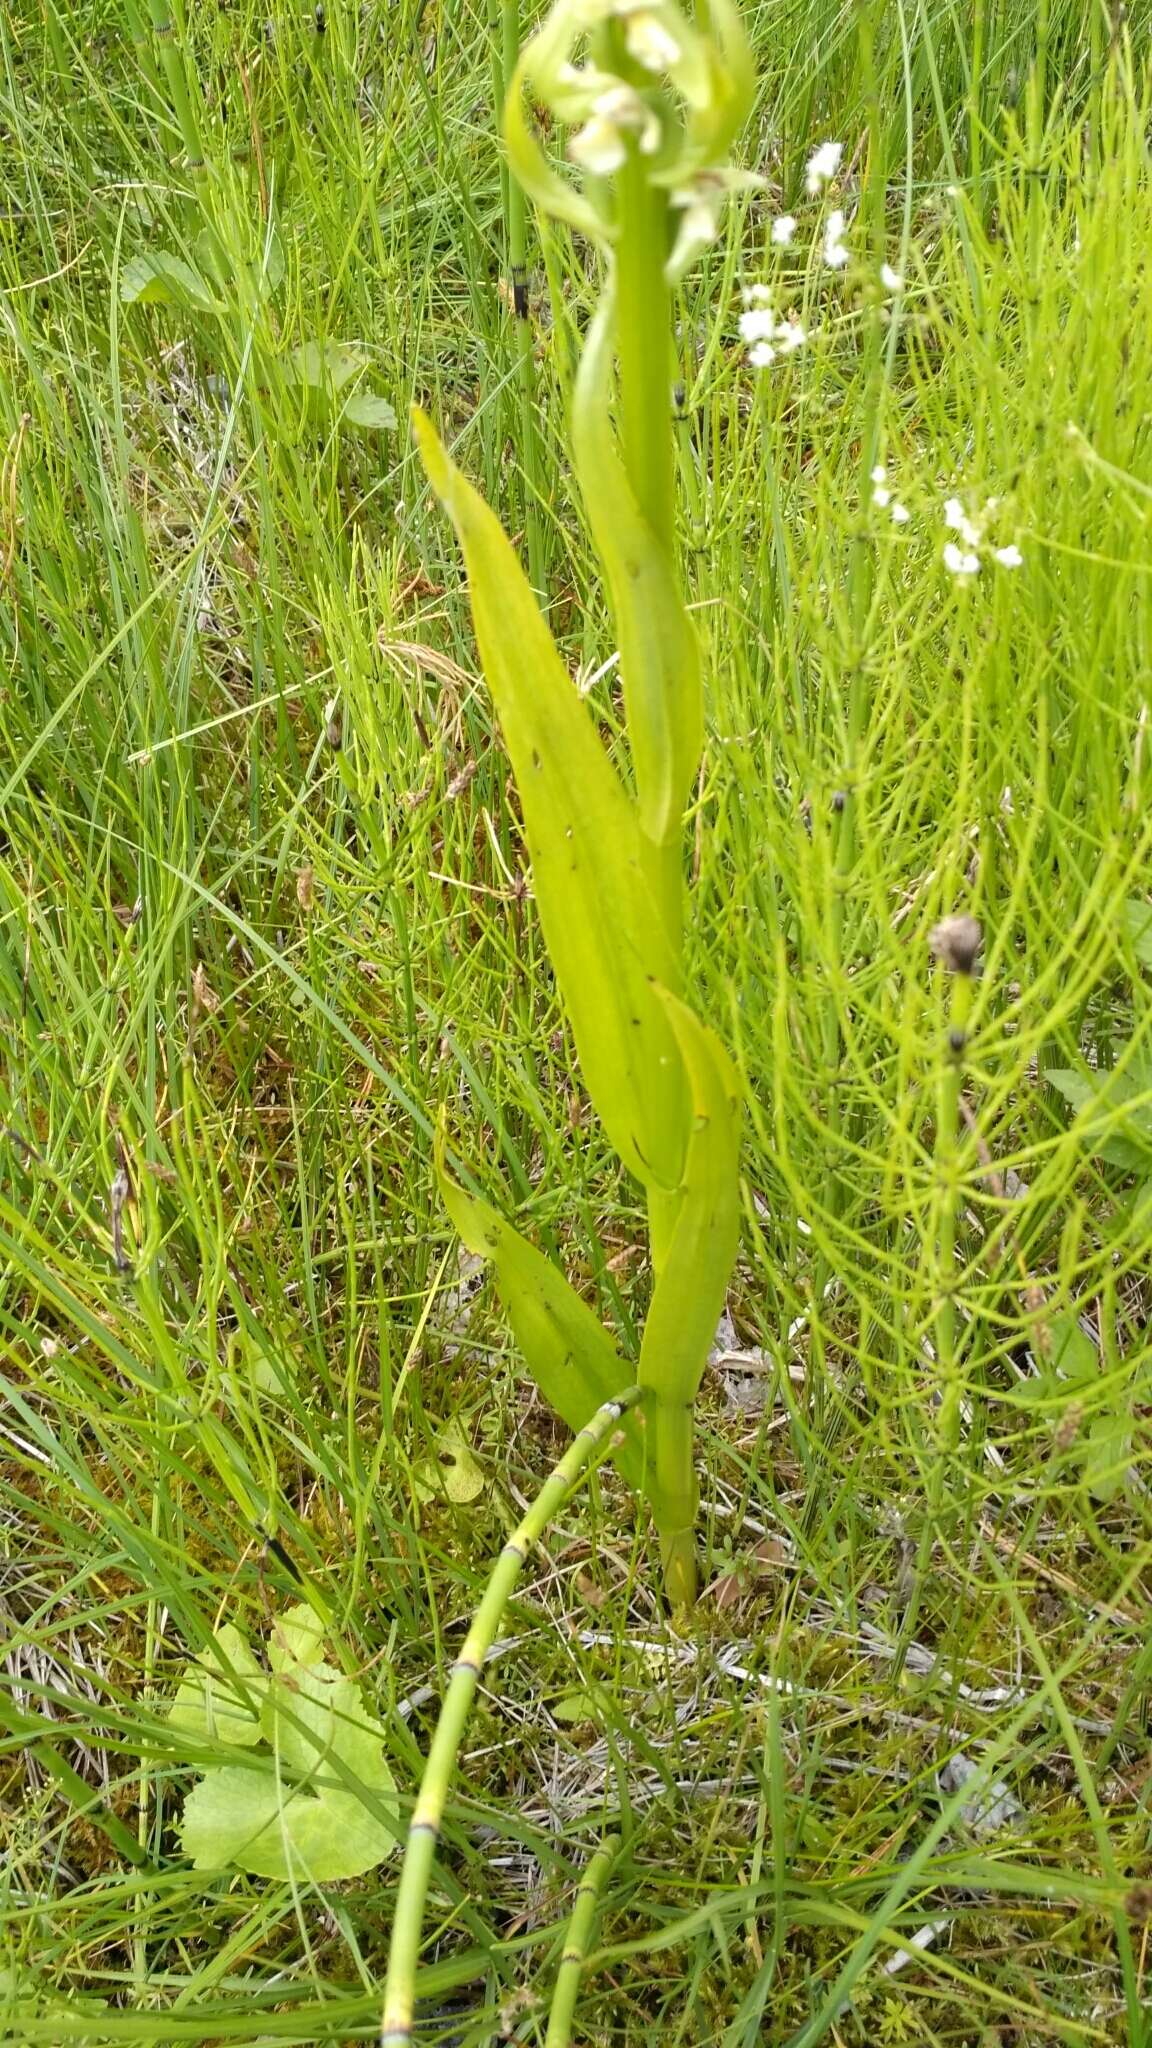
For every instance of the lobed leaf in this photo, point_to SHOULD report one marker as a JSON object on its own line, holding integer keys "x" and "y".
{"x": 250, "y": 1820}
{"x": 1136, "y": 919}
{"x": 369, "y": 409}
{"x": 218, "y": 1699}
{"x": 453, "y": 1471}
{"x": 324, "y": 366}
{"x": 290, "y": 1814}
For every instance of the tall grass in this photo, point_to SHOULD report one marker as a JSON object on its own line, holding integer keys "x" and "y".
{"x": 335, "y": 940}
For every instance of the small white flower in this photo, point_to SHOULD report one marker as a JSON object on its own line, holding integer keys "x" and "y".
{"x": 762, "y": 355}
{"x": 1009, "y": 557}
{"x": 959, "y": 563}
{"x": 758, "y": 324}
{"x": 900, "y": 514}
{"x": 790, "y": 336}
{"x": 835, "y": 254}
{"x": 956, "y": 517}
{"x": 891, "y": 279}
{"x": 757, "y": 295}
{"x": 699, "y": 225}
{"x": 598, "y": 147}
{"x": 881, "y": 496}
{"x": 879, "y": 475}
{"x": 783, "y": 230}
{"x": 650, "y": 43}
{"x": 823, "y": 164}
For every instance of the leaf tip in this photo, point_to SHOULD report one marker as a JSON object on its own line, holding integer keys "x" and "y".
{"x": 433, "y": 454}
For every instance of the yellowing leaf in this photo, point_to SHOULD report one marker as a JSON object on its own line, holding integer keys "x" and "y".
{"x": 607, "y": 942}
{"x": 250, "y": 1820}
{"x": 689, "y": 1297}
{"x": 320, "y": 1802}
{"x": 453, "y": 1472}
{"x": 218, "y": 1699}
{"x": 569, "y": 1354}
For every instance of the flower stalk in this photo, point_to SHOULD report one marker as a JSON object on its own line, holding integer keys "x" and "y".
{"x": 643, "y": 342}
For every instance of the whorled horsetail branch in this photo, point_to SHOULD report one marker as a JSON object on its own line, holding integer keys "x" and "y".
{"x": 464, "y": 1677}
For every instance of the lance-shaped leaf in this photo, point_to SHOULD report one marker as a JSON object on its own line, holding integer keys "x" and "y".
{"x": 659, "y": 658}
{"x": 689, "y": 1293}
{"x": 569, "y": 1354}
{"x": 607, "y": 942}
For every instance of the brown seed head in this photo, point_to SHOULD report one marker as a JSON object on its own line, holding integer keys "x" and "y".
{"x": 956, "y": 941}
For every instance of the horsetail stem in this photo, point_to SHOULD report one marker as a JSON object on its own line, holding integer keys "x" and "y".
{"x": 428, "y": 1812}
{"x": 955, "y": 942}
{"x": 577, "y": 1938}
{"x": 164, "y": 28}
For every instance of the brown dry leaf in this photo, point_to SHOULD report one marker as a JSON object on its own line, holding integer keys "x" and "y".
{"x": 589, "y": 1591}
{"x": 204, "y": 995}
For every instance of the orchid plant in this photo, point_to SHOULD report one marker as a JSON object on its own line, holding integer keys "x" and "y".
{"x": 651, "y": 99}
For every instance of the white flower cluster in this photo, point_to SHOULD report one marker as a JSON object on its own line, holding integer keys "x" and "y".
{"x": 767, "y": 341}
{"x": 882, "y": 497}
{"x": 835, "y": 253}
{"x": 962, "y": 557}
{"x": 823, "y": 165}
{"x": 766, "y": 336}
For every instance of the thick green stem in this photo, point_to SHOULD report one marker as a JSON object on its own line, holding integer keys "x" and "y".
{"x": 647, "y": 431}
{"x": 424, "y": 1829}
{"x": 576, "y": 1944}
{"x": 644, "y": 344}
{"x": 672, "y": 1429}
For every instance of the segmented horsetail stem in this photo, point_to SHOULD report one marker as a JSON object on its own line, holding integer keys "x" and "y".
{"x": 180, "y": 89}
{"x": 577, "y": 1940}
{"x": 955, "y": 941}
{"x": 428, "y": 1812}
